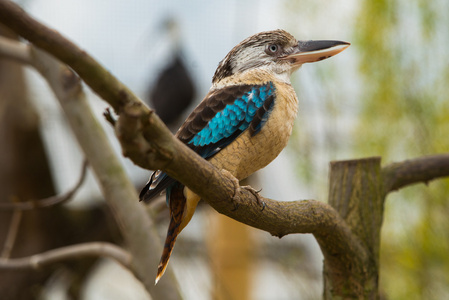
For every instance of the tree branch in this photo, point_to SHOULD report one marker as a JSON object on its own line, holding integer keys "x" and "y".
{"x": 50, "y": 201}
{"x": 348, "y": 249}
{"x": 422, "y": 169}
{"x": 148, "y": 142}
{"x": 119, "y": 192}
{"x": 77, "y": 251}
{"x": 97, "y": 77}
{"x": 11, "y": 48}
{"x": 219, "y": 189}
{"x": 12, "y": 233}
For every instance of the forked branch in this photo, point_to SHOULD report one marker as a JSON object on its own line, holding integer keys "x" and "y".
{"x": 50, "y": 201}
{"x": 77, "y": 251}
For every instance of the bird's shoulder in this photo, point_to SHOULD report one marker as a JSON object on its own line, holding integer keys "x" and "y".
{"x": 215, "y": 101}
{"x": 224, "y": 113}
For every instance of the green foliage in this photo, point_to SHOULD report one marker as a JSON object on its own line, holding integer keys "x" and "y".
{"x": 405, "y": 114}
{"x": 400, "y": 48}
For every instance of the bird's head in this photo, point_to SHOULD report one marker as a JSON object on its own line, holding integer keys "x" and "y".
{"x": 276, "y": 51}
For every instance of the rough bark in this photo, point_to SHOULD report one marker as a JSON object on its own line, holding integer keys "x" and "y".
{"x": 355, "y": 191}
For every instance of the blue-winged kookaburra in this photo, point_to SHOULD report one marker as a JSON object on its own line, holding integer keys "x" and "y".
{"x": 244, "y": 121}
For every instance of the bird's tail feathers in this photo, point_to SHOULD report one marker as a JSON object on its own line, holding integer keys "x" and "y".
{"x": 177, "y": 207}
{"x": 155, "y": 186}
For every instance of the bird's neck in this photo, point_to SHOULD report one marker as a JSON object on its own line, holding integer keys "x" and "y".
{"x": 255, "y": 76}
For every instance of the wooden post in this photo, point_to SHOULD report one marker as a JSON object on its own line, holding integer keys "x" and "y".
{"x": 356, "y": 192}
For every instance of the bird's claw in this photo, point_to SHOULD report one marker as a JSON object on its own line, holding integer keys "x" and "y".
{"x": 237, "y": 188}
{"x": 235, "y": 197}
{"x": 256, "y": 194}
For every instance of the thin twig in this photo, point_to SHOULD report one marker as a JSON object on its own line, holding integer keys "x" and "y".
{"x": 50, "y": 201}
{"x": 70, "y": 252}
{"x": 109, "y": 117}
{"x": 12, "y": 233}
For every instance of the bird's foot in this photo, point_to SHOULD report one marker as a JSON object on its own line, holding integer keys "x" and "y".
{"x": 237, "y": 188}
{"x": 235, "y": 198}
{"x": 256, "y": 194}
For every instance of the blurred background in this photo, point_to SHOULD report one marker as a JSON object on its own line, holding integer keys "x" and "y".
{"x": 386, "y": 95}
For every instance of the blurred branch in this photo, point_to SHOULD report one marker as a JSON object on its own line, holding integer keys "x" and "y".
{"x": 12, "y": 233}
{"x": 38, "y": 261}
{"x": 422, "y": 169}
{"x": 46, "y": 202}
{"x": 25, "y": 173}
{"x": 119, "y": 192}
{"x": 11, "y": 48}
{"x": 97, "y": 77}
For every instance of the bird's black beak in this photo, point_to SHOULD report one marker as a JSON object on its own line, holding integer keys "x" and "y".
{"x": 311, "y": 51}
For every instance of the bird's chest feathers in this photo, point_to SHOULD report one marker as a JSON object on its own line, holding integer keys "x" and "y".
{"x": 284, "y": 112}
{"x": 251, "y": 152}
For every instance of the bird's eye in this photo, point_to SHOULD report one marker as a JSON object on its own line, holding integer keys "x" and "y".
{"x": 272, "y": 49}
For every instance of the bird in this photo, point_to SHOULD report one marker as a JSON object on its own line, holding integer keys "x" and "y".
{"x": 168, "y": 102}
{"x": 244, "y": 121}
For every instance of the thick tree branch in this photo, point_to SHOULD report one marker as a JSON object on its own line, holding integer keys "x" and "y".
{"x": 77, "y": 251}
{"x": 422, "y": 169}
{"x": 218, "y": 188}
